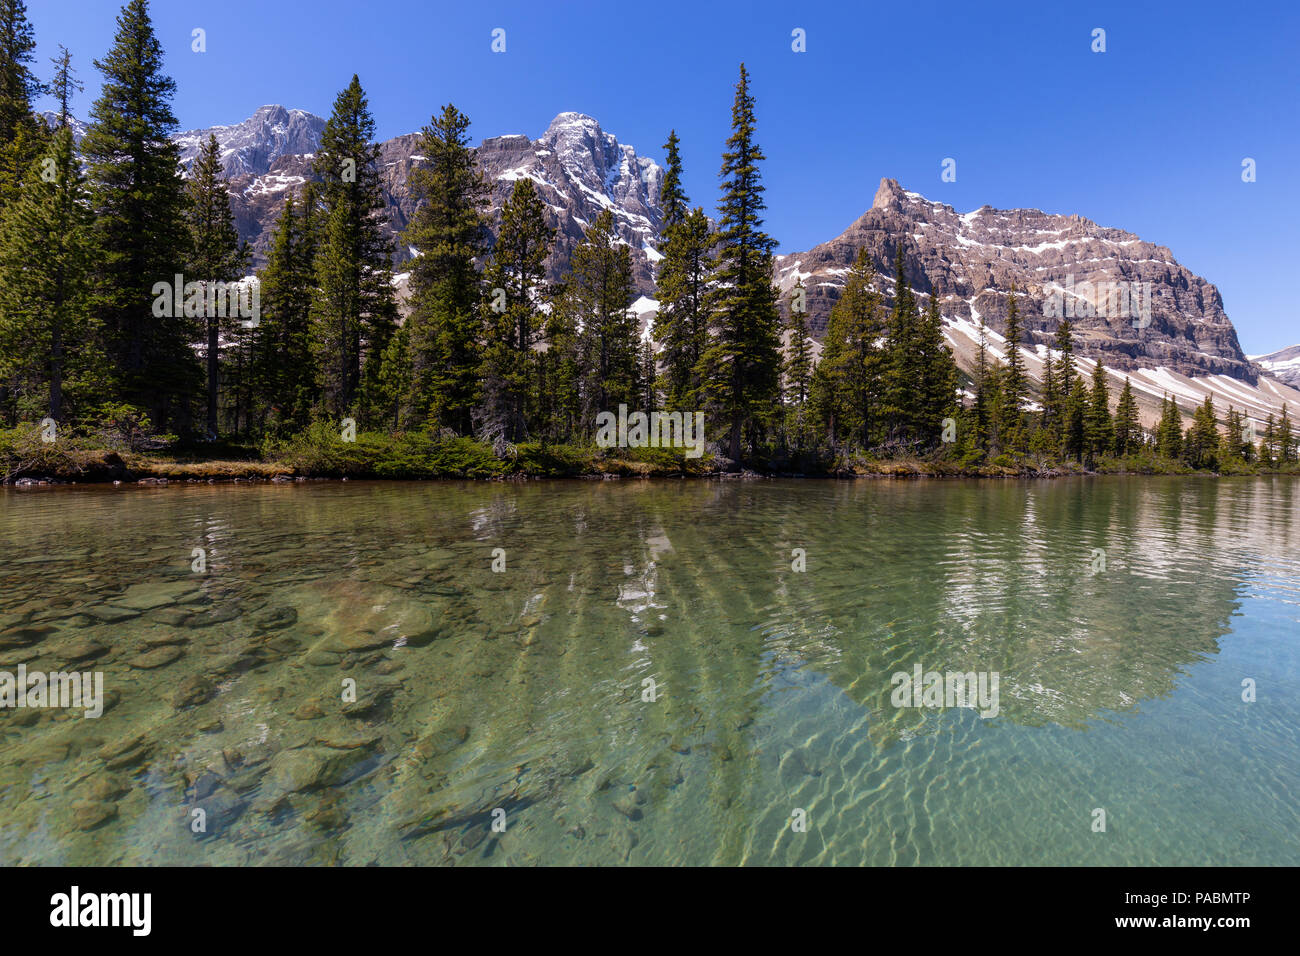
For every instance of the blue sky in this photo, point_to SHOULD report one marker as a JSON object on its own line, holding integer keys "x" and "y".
{"x": 1148, "y": 136}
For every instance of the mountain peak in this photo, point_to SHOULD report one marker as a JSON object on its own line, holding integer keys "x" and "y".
{"x": 889, "y": 195}
{"x": 569, "y": 120}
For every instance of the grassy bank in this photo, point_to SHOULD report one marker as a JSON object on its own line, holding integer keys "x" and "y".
{"x": 320, "y": 453}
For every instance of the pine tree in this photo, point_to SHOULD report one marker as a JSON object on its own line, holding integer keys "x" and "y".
{"x": 22, "y": 134}
{"x": 647, "y": 376}
{"x": 1230, "y": 443}
{"x": 138, "y": 200}
{"x": 798, "y": 364}
{"x": 1063, "y": 381}
{"x": 354, "y": 312}
{"x": 847, "y": 391}
{"x": 1048, "y": 418}
{"x": 216, "y": 257}
{"x": 1169, "y": 432}
{"x": 1268, "y": 443}
{"x": 283, "y": 367}
{"x": 1013, "y": 379}
{"x": 741, "y": 366}
{"x": 1074, "y": 442}
{"x": 449, "y": 232}
{"x": 1128, "y": 427}
{"x": 987, "y": 397}
{"x": 1098, "y": 430}
{"x": 903, "y": 360}
{"x": 50, "y": 356}
{"x": 599, "y": 291}
{"x": 64, "y": 84}
{"x": 1286, "y": 449}
{"x": 515, "y": 280}
{"x": 798, "y": 370}
{"x": 1201, "y": 445}
{"x": 937, "y": 387}
{"x": 681, "y": 283}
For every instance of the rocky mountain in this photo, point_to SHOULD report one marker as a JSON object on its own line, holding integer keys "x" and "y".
{"x": 1131, "y": 304}
{"x": 252, "y": 146}
{"x": 578, "y": 168}
{"x": 51, "y": 118}
{"x": 1284, "y": 364}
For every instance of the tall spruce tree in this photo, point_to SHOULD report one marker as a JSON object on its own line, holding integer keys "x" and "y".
{"x": 742, "y": 363}
{"x": 515, "y": 280}
{"x": 1013, "y": 379}
{"x": 847, "y": 392}
{"x": 138, "y": 200}
{"x": 937, "y": 386}
{"x": 449, "y": 232}
{"x": 1169, "y": 431}
{"x": 1128, "y": 428}
{"x": 798, "y": 370}
{"x": 284, "y": 372}
{"x": 1286, "y": 449}
{"x": 681, "y": 324}
{"x": 354, "y": 311}
{"x": 599, "y": 290}
{"x": 903, "y": 359}
{"x": 1098, "y": 429}
{"x": 65, "y": 83}
{"x": 22, "y": 134}
{"x": 1201, "y": 444}
{"x": 217, "y": 257}
{"x": 51, "y": 362}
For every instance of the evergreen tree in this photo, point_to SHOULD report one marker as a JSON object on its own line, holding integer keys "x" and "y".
{"x": 22, "y": 134}
{"x": 847, "y": 391}
{"x": 138, "y": 199}
{"x": 937, "y": 388}
{"x": 1286, "y": 449}
{"x": 216, "y": 257}
{"x": 1201, "y": 445}
{"x": 1098, "y": 430}
{"x": 1268, "y": 443}
{"x": 988, "y": 397}
{"x": 354, "y": 311}
{"x": 65, "y": 83}
{"x": 516, "y": 283}
{"x": 1074, "y": 430}
{"x": 284, "y": 370}
{"x": 50, "y": 356}
{"x": 682, "y": 281}
{"x": 449, "y": 232}
{"x": 599, "y": 291}
{"x": 798, "y": 369}
{"x": 1128, "y": 428}
{"x": 798, "y": 365}
{"x": 904, "y": 363}
{"x": 1231, "y": 445}
{"x": 741, "y": 366}
{"x": 1169, "y": 432}
{"x": 1013, "y": 379}
{"x": 1049, "y": 422}
{"x": 647, "y": 376}
{"x": 1063, "y": 382}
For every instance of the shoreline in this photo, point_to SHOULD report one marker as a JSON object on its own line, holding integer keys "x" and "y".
{"x": 112, "y": 470}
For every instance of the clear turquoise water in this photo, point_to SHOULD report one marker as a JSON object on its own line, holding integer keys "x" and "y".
{"x": 521, "y": 691}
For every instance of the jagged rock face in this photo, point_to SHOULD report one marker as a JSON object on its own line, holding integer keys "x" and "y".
{"x": 251, "y": 147}
{"x": 1284, "y": 364}
{"x": 578, "y": 170}
{"x": 971, "y": 261}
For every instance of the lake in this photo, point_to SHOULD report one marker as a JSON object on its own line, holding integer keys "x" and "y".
{"x": 671, "y": 672}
